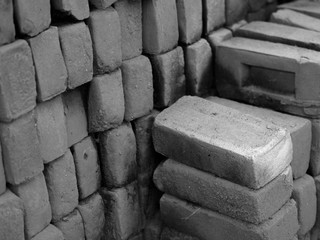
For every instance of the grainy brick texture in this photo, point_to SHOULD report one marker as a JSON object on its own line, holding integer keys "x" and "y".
{"x": 236, "y": 10}
{"x": 78, "y": 9}
{"x": 8, "y": 31}
{"x": 49, "y": 233}
{"x": 214, "y": 14}
{"x": 2, "y": 175}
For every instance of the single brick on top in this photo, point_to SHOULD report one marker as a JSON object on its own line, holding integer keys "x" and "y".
{"x": 7, "y": 27}
{"x": 78, "y": 9}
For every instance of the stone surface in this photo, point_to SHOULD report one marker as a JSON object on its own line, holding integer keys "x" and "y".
{"x": 236, "y": 10}
{"x": 193, "y": 132}
{"x": 314, "y": 168}
{"x": 256, "y": 5}
{"x": 160, "y": 26}
{"x": 171, "y": 234}
{"x": 76, "y": 45}
{"x": 311, "y": 8}
{"x": 49, "y": 233}
{"x": 2, "y": 175}
{"x": 62, "y": 186}
{"x": 20, "y": 149}
{"x": 137, "y": 87}
{"x": 213, "y": 14}
{"x": 51, "y": 126}
{"x": 153, "y": 228}
{"x": 208, "y": 225}
{"x": 87, "y": 167}
{"x": 78, "y": 9}
{"x": 118, "y": 156}
{"x": 8, "y": 31}
{"x": 169, "y": 81}
{"x": 260, "y": 15}
{"x": 216, "y": 37}
{"x": 17, "y": 81}
{"x": 106, "y": 102}
{"x": 235, "y": 26}
{"x": 102, "y": 4}
{"x": 106, "y": 47}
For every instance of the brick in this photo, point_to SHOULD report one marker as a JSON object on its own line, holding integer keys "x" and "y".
{"x": 8, "y": 31}
{"x": 299, "y": 129}
{"x": 171, "y": 234}
{"x": 20, "y": 149}
{"x": 17, "y": 81}
{"x": 11, "y": 217}
{"x": 62, "y": 186}
{"x": 51, "y": 127}
{"x": 304, "y": 193}
{"x": 310, "y": 8}
{"x": 169, "y": 81}
{"x": 137, "y": 87}
{"x": 87, "y": 167}
{"x": 49, "y": 233}
{"x": 46, "y": 52}
{"x": 160, "y": 26}
{"x": 294, "y": 70}
{"x": 106, "y": 102}
{"x": 122, "y": 211}
{"x": 249, "y": 160}
{"x": 218, "y": 36}
{"x": 315, "y": 232}
{"x": 32, "y": 17}
{"x": 256, "y": 5}
{"x": 153, "y": 228}
{"x": 118, "y": 156}
{"x": 130, "y": 15}
{"x": 78, "y": 9}
{"x": 260, "y": 15}
{"x": 199, "y": 70}
{"x": 37, "y": 210}
{"x": 102, "y": 4}
{"x": 304, "y": 237}
{"x": 2, "y": 175}
{"x": 213, "y": 14}
{"x": 314, "y": 168}
{"x": 235, "y": 26}
{"x": 271, "y": 8}
{"x": 189, "y": 20}
{"x": 92, "y": 212}
{"x": 207, "y": 225}
{"x": 77, "y": 50}
{"x": 72, "y": 226}
{"x": 107, "y": 53}
{"x": 236, "y": 10}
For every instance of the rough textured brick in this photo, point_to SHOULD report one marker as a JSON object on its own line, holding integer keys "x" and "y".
{"x": 49, "y": 233}
{"x": 77, "y": 50}
{"x": 118, "y": 156}
{"x": 87, "y": 167}
{"x": 169, "y": 81}
{"x": 160, "y": 26}
{"x": 130, "y": 15}
{"x": 72, "y": 226}
{"x": 17, "y": 81}
{"x": 137, "y": 87}
{"x": 20, "y": 149}
{"x": 256, "y": 5}
{"x": 208, "y": 225}
{"x": 78, "y": 9}
{"x": 62, "y": 186}
{"x": 213, "y": 14}
{"x": 237, "y": 25}
{"x": 189, "y": 20}
{"x": 260, "y": 15}
{"x": 106, "y": 102}
{"x": 122, "y": 212}
{"x": 199, "y": 70}
{"x": 311, "y": 8}
{"x": 315, "y": 232}
{"x": 315, "y": 146}
{"x": 51, "y": 126}
{"x": 171, "y": 234}
{"x": 2, "y": 175}
{"x": 8, "y": 31}
{"x": 46, "y": 51}
{"x": 92, "y": 212}
{"x": 11, "y": 217}
{"x": 106, "y": 46}
{"x": 304, "y": 193}
{"x": 32, "y": 17}
{"x": 216, "y": 37}
{"x": 37, "y": 210}
{"x": 236, "y": 10}
{"x": 153, "y": 228}
{"x": 251, "y": 160}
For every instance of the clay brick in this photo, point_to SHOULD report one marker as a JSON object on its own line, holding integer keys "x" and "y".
{"x": 299, "y": 129}
{"x": 2, "y": 175}
{"x": 304, "y": 193}
{"x": 208, "y": 225}
{"x": 122, "y": 212}
{"x": 213, "y": 14}
{"x": 235, "y": 26}
{"x": 236, "y": 10}
{"x": 216, "y": 37}
{"x": 11, "y": 217}
{"x": 46, "y": 51}
{"x": 77, "y": 50}
{"x": 199, "y": 68}
{"x": 49, "y": 233}
{"x": 20, "y": 149}
{"x": 78, "y": 9}
{"x": 51, "y": 126}
{"x": 169, "y": 81}
{"x": 315, "y": 232}
{"x": 189, "y": 20}
{"x": 130, "y": 15}
{"x": 92, "y": 212}
{"x": 137, "y": 87}
{"x": 256, "y": 5}
{"x": 105, "y": 31}
{"x": 153, "y": 228}
{"x": 234, "y": 156}
{"x": 37, "y": 210}
{"x": 8, "y": 31}
{"x": 271, "y": 8}
{"x": 160, "y": 26}
{"x": 32, "y": 17}
{"x": 293, "y": 69}
{"x": 310, "y": 8}
{"x": 118, "y": 156}
{"x": 102, "y": 4}
{"x": 62, "y": 186}
{"x": 171, "y": 234}
{"x": 72, "y": 226}
{"x": 106, "y": 102}
{"x": 260, "y": 15}
{"x": 17, "y": 81}
{"x": 87, "y": 167}
{"x": 314, "y": 168}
